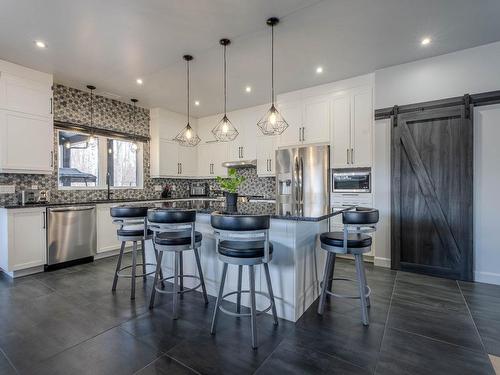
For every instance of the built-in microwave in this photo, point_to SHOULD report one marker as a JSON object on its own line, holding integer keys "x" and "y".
{"x": 355, "y": 180}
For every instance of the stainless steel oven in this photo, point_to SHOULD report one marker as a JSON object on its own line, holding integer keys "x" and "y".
{"x": 355, "y": 180}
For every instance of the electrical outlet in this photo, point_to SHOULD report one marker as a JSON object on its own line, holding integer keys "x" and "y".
{"x": 158, "y": 188}
{"x": 7, "y": 189}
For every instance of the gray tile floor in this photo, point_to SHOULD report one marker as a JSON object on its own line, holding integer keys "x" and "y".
{"x": 68, "y": 322}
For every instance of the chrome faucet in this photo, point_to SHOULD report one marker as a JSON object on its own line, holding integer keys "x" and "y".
{"x": 108, "y": 183}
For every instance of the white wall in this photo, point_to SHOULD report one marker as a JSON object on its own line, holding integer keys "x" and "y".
{"x": 469, "y": 71}
{"x": 486, "y": 194}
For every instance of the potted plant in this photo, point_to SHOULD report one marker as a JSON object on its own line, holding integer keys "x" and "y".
{"x": 230, "y": 187}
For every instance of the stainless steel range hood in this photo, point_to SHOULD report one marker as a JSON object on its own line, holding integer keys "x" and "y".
{"x": 240, "y": 164}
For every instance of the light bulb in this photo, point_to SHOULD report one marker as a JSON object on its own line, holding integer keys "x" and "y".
{"x": 134, "y": 146}
{"x": 188, "y": 134}
{"x": 67, "y": 144}
{"x": 272, "y": 118}
{"x": 110, "y": 150}
{"x": 225, "y": 127}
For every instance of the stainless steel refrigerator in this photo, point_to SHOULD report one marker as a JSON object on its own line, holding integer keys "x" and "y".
{"x": 302, "y": 181}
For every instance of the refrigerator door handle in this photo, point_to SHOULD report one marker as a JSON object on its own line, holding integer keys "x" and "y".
{"x": 301, "y": 180}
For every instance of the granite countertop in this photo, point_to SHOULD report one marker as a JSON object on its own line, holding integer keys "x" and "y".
{"x": 209, "y": 205}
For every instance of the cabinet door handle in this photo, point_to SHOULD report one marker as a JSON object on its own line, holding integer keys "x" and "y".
{"x": 51, "y": 106}
{"x": 44, "y": 218}
{"x": 52, "y": 159}
{"x": 352, "y": 156}
{"x": 300, "y": 135}
{"x": 180, "y": 165}
{"x": 303, "y": 137}
{"x": 242, "y": 152}
{"x": 347, "y": 155}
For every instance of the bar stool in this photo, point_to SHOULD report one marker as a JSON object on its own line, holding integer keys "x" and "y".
{"x": 174, "y": 231}
{"x": 243, "y": 241}
{"x": 132, "y": 227}
{"x": 352, "y": 240}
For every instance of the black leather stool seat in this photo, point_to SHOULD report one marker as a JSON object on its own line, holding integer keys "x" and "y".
{"x": 133, "y": 231}
{"x": 128, "y": 211}
{"x": 354, "y": 240}
{"x": 177, "y": 238}
{"x": 243, "y": 249}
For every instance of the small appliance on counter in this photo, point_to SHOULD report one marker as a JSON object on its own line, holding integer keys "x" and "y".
{"x": 166, "y": 192}
{"x": 32, "y": 196}
{"x": 198, "y": 189}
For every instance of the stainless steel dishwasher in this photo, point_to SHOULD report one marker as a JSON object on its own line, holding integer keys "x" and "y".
{"x": 71, "y": 235}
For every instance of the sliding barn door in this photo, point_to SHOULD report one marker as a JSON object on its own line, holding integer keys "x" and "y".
{"x": 432, "y": 193}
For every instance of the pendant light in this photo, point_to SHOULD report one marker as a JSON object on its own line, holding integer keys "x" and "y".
{"x": 134, "y": 103}
{"x": 187, "y": 137}
{"x": 225, "y": 131}
{"x": 91, "y": 138}
{"x": 273, "y": 122}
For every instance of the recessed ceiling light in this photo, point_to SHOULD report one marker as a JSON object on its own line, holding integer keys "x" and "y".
{"x": 196, "y": 102}
{"x": 40, "y": 44}
{"x": 319, "y": 69}
{"x": 248, "y": 89}
{"x": 139, "y": 81}
{"x": 425, "y": 41}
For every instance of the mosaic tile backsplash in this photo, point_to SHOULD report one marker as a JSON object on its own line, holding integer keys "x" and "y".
{"x": 72, "y": 105}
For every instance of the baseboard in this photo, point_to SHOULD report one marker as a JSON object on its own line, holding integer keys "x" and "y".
{"x": 487, "y": 277}
{"x": 382, "y": 262}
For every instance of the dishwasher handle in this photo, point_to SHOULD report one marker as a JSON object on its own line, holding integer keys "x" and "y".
{"x": 72, "y": 209}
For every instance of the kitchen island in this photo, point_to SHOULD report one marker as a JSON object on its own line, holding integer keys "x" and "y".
{"x": 297, "y": 263}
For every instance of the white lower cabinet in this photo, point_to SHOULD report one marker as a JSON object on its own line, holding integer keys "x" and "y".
{"x": 22, "y": 238}
{"x": 106, "y": 230}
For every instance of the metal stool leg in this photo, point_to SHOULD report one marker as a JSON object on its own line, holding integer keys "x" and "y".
{"x": 219, "y": 299}
{"x": 143, "y": 248}
{"x": 157, "y": 275}
{"x": 362, "y": 288}
{"x": 238, "y": 296}
{"x": 368, "y": 303}
{"x": 253, "y": 311}
{"x": 181, "y": 279}
{"x": 271, "y": 294}
{"x": 200, "y": 273}
{"x": 156, "y": 257}
{"x": 330, "y": 259}
{"x": 134, "y": 266}
{"x": 176, "y": 285}
{"x": 118, "y": 265}
{"x": 330, "y": 276}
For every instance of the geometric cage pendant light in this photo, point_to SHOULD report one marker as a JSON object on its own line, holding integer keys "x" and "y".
{"x": 273, "y": 122}
{"x": 187, "y": 137}
{"x": 225, "y": 131}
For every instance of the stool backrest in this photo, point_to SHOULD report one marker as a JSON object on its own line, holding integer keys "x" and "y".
{"x": 171, "y": 216}
{"x": 361, "y": 216}
{"x": 242, "y": 228}
{"x": 239, "y": 223}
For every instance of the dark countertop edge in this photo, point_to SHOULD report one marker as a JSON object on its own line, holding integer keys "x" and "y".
{"x": 113, "y": 201}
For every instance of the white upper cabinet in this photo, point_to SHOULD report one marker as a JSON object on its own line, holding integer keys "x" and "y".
{"x": 26, "y": 121}
{"x": 292, "y": 113}
{"x": 316, "y": 120}
{"x": 169, "y": 159}
{"x": 266, "y": 153}
{"x": 210, "y": 158}
{"x": 308, "y": 119}
{"x": 245, "y": 121}
{"x": 352, "y": 114}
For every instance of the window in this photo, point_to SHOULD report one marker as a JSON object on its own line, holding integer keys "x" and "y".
{"x": 122, "y": 163}
{"x": 85, "y": 162}
{"x": 78, "y": 160}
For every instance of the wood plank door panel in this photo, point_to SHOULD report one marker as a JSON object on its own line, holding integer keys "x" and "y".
{"x": 432, "y": 193}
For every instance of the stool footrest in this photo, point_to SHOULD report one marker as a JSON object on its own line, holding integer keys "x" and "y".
{"x": 368, "y": 293}
{"x": 127, "y": 276}
{"x": 184, "y": 290}
{"x": 245, "y": 314}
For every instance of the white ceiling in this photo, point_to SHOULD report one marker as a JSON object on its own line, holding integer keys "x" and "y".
{"x": 110, "y": 43}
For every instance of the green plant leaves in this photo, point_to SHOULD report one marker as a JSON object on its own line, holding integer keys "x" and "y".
{"x": 232, "y": 182}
